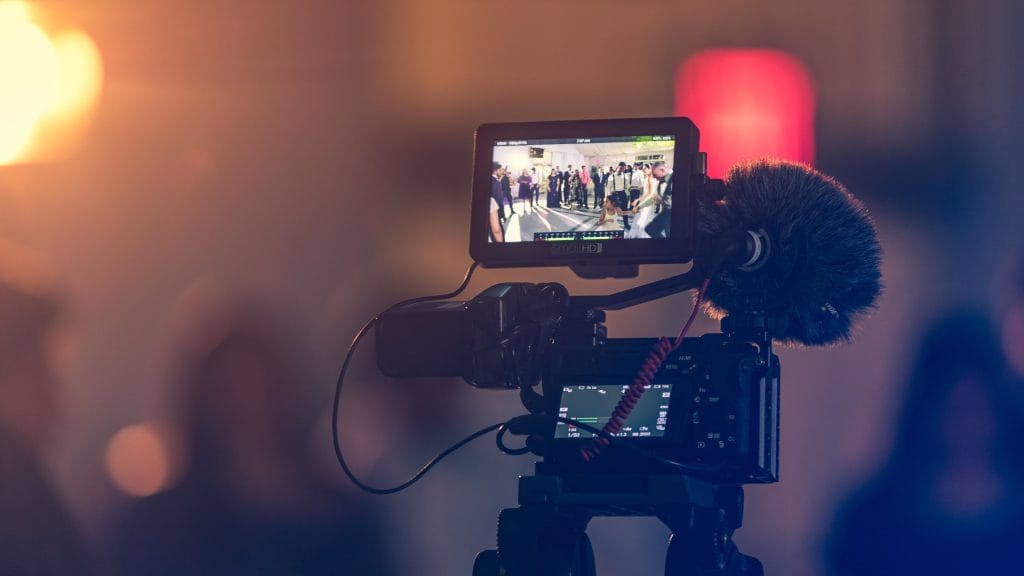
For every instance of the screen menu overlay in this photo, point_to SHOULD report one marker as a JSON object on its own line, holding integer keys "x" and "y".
{"x": 594, "y": 404}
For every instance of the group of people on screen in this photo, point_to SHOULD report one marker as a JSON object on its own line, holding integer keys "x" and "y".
{"x": 628, "y": 196}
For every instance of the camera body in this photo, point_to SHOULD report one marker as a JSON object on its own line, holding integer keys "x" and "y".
{"x": 712, "y": 407}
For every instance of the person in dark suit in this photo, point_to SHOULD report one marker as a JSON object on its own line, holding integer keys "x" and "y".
{"x": 497, "y": 193}
{"x": 566, "y": 177}
{"x": 506, "y": 189}
{"x": 595, "y": 179}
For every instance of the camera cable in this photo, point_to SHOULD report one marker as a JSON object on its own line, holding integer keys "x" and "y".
{"x": 335, "y": 414}
{"x": 521, "y": 424}
{"x": 662, "y": 348}
{"x": 531, "y": 424}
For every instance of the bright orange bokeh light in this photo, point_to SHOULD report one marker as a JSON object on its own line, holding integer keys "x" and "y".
{"x": 748, "y": 104}
{"x": 139, "y": 460}
{"x": 81, "y": 72}
{"x": 28, "y": 70}
{"x": 48, "y": 85}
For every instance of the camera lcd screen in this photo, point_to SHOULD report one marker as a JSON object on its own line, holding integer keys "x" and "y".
{"x": 594, "y": 188}
{"x": 594, "y": 404}
{"x": 584, "y": 192}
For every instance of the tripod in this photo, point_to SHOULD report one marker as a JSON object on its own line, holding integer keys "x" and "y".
{"x": 546, "y": 534}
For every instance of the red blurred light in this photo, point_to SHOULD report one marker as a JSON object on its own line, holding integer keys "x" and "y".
{"x": 747, "y": 103}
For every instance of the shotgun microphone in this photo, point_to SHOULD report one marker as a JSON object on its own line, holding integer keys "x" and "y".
{"x": 799, "y": 248}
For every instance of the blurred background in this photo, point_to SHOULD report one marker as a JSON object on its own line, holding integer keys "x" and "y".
{"x": 187, "y": 172}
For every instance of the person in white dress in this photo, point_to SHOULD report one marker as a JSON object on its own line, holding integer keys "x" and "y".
{"x": 645, "y": 206}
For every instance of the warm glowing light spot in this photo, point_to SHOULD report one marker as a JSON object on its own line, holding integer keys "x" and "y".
{"x": 29, "y": 78}
{"x": 139, "y": 460}
{"x": 81, "y": 73}
{"x": 748, "y": 104}
{"x": 49, "y": 85}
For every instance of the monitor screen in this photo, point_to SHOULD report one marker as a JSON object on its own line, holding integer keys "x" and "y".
{"x": 594, "y": 188}
{"x": 584, "y": 192}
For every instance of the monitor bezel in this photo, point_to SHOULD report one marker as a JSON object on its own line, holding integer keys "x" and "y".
{"x": 677, "y": 248}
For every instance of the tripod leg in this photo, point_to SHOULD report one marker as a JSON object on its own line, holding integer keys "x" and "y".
{"x": 540, "y": 541}
{"x": 742, "y": 564}
{"x": 701, "y": 547}
{"x": 706, "y": 548}
{"x": 486, "y": 564}
{"x": 681, "y": 559}
{"x": 581, "y": 561}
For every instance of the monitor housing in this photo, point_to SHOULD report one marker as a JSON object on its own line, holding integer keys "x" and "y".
{"x": 567, "y": 235}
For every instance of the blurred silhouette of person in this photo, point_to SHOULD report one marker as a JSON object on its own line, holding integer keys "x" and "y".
{"x": 37, "y": 535}
{"x": 250, "y": 500}
{"x": 950, "y": 500}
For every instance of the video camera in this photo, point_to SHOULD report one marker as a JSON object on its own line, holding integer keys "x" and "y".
{"x": 666, "y": 427}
